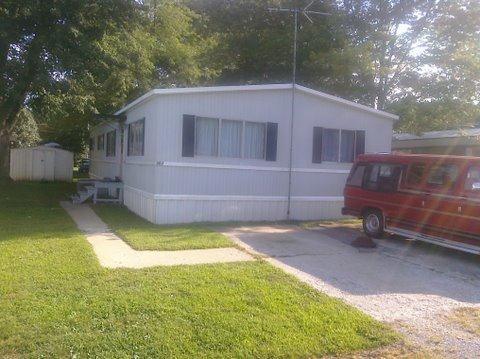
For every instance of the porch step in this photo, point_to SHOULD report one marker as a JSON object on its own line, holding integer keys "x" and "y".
{"x": 435, "y": 240}
{"x": 83, "y": 194}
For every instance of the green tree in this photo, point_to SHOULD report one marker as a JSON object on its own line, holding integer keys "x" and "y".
{"x": 159, "y": 49}
{"x": 25, "y": 133}
{"x": 445, "y": 92}
{"x": 43, "y": 42}
{"x": 255, "y": 45}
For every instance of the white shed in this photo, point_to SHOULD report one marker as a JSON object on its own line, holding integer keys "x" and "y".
{"x": 42, "y": 163}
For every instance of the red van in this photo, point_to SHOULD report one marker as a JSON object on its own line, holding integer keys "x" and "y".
{"x": 426, "y": 197}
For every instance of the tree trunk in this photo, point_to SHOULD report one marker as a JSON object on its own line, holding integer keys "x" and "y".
{"x": 4, "y": 154}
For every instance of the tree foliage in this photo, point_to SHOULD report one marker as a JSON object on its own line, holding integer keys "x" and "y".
{"x": 65, "y": 60}
{"x": 26, "y": 133}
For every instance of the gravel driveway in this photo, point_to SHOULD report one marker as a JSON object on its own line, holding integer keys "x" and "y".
{"x": 412, "y": 285}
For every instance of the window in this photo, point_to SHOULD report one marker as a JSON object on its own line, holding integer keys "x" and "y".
{"x": 347, "y": 146}
{"x": 111, "y": 143}
{"x": 101, "y": 142}
{"x": 136, "y": 138}
{"x": 443, "y": 176}
{"x": 472, "y": 182}
{"x": 231, "y": 138}
{"x": 383, "y": 177}
{"x": 206, "y": 136}
{"x": 333, "y": 145}
{"x": 356, "y": 177}
{"x": 330, "y": 145}
{"x": 415, "y": 174}
{"x": 254, "y": 140}
{"x": 91, "y": 144}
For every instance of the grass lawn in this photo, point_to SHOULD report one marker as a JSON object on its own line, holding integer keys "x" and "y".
{"x": 56, "y": 301}
{"x": 143, "y": 235}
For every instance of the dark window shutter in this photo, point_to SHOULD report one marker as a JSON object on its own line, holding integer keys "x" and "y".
{"x": 317, "y": 145}
{"x": 188, "y": 136}
{"x": 272, "y": 135}
{"x": 359, "y": 143}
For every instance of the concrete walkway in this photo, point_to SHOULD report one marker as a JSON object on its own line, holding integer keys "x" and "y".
{"x": 112, "y": 252}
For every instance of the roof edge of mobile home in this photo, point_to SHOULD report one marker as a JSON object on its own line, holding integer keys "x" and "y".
{"x": 188, "y": 90}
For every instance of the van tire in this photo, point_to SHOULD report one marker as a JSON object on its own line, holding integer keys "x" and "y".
{"x": 373, "y": 223}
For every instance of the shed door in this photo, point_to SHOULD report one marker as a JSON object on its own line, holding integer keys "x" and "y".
{"x": 43, "y": 166}
{"x": 49, "y": 165}
{"x": 38, "y": 165}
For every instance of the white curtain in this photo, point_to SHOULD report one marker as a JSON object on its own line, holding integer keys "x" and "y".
{"x": 254, "y": 140}
{"x": 231, "y": 138}
{"x": 206, "y": 136}
{"x": 347, "y": 152}
{"x": 330, "y": 142}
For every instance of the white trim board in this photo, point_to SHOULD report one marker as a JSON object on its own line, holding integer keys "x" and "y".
{"x": 188, "y": 197}
{"x": 105, "y": 161}
{"x": 189, "y": 90}
{"x": 238, "y": 167}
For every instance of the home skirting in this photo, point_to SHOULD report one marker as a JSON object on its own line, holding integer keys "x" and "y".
{"x": 167, "y": 209}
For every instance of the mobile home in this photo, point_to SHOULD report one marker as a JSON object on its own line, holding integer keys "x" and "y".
{"x": 233, "y": 153}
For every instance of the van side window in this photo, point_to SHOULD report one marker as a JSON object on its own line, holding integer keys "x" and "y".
{"x": 443, "y": 176}
{"x": 415, "y": 174}
{"x": 383, "y": 177}
{"x": 356, "y": 177}
{"x": 472, "y": 182}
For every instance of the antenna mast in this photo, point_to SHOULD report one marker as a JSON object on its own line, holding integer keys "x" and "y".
{"x": 306, "y": 12}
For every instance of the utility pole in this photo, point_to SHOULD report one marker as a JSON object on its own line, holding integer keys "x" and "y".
{"x": 296, "y": 10}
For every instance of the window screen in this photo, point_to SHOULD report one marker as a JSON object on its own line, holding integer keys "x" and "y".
{"x": 330, "y": 145}
{"x": 100, "y": 142}
{"x": 111, "y": 143}
{"x": 136, "y": 138}
{"x": 231, "y": 138}
{"x": 206, "y": 136}
{"x": 347, "y": 147}
{"x": 254, "y": 140}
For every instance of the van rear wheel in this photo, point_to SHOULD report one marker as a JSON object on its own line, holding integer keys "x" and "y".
{"x": 373, "y": 225}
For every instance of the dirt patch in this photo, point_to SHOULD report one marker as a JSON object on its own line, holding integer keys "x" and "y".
{"x": 400, "y": 349}
{"x": 343, "y": 223}
{"x": 467, "y": 318}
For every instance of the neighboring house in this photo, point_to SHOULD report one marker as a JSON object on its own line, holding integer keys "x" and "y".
{"x": 465, "y": 142}
{"x": 223, "y": 153}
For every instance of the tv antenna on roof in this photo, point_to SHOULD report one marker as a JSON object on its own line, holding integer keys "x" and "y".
{"x": 296, "y": 10}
